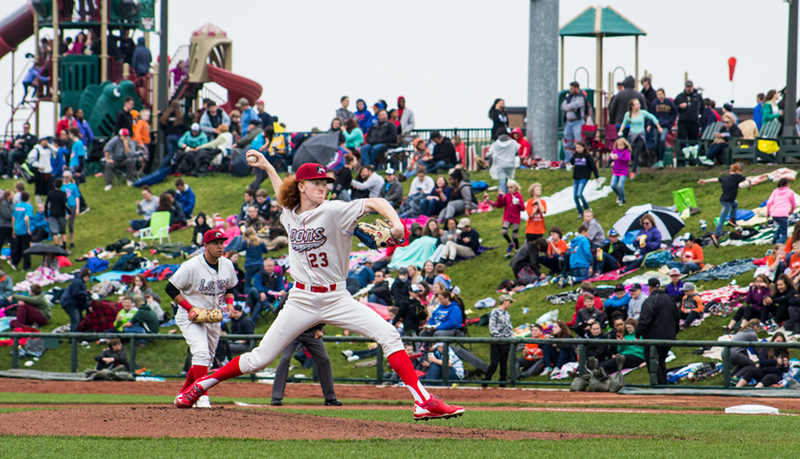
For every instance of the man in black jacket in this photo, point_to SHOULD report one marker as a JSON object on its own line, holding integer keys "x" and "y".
{"x": 647, "y": 91}
{"x": 444, "y": 153}
{"x": 124, "y": 117}
{"x": 379, "y": 138}
{"x": 380, "y": 292}
{"x": 619, "y": 105}
{"x": 411, "y": 312}
{"x": 392, "y": 190}
{"x": 73, "y": 300}
{"x": 659, "y": 320}
{"x": 240, "y": 325}
{"x": 691, "y": 111}
{"x": 400, "y": 287}
{"x": 466, "y": 244}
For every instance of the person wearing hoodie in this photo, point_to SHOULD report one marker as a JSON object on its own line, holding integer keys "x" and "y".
{"x": 144, "y": 321}
{"x": 579, "y": 266}
{"x": 574, "y": 106}
{"x": 665, "y": 111}
{"x": 200, "y": 228}
{"x": 400, "y": 288}
{"x": 524, "y": 145}
{"x": 620, "y": 104}
{"x": 73, "y": 300}
{"x": 659, "y": 319}
{"x": 740, "y": 359}
{"x": 648, "y": 92}
{"x": 407, "y": 121}
{"x": 691, "y": 111}
{"x": 185, "y": 196}
{"x": 503, "y": 151}
{"x": 780, "y": 205}
{"x": 444, "y": 153}
{"x": 212, "y": 119}
{"x": 446, "y": 319}
{"x": 363, "y": 116}
{"x": 141, "y": 58}
{"x": 583, "y": 167}
{"x": 499, "y": 118}
{"x": 379, "y": 138}
{"x": 33, "y": 309}
{"x": 511, "y": 201}
{"x": 193, "y": 138}
{"x": 33, "y": 75}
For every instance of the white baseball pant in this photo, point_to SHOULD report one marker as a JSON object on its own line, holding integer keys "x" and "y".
{"x": 305, "y": 309}
{"x": 201, "y": 338}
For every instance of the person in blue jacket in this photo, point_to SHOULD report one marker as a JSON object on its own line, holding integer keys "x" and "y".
{"x": 578, "y": 264}
{"x": 618, "y": 302}
{"x": 185, "y": 196}
{"x": 667, "y": 114}
{"x": 73, "y": 300}
{"x": 364, "y": 117}
{"x": 35, "y": 73}
{"x": 268, "y": 287}
{"x": 446, "y": 319}
{"x": 360, "y": 276}
{"x": 757, "y": 116}
{"x": 649, "y": 240}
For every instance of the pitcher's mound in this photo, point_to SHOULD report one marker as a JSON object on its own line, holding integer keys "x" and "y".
{"x": 116, "y": 421}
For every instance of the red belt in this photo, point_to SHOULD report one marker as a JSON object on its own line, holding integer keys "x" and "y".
{"x": 314, "y": 288}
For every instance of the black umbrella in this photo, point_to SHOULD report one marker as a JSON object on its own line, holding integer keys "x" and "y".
{"x": 45, "y": 249}
{"x": 320, "y": 149}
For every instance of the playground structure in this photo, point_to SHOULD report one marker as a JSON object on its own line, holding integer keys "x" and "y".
{"x": 98, "y": 84}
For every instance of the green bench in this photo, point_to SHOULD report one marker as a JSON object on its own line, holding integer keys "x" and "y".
{"x": 747, "y": 149}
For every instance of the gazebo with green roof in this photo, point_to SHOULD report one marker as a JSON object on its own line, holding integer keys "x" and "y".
{"x": 600, "y": 22}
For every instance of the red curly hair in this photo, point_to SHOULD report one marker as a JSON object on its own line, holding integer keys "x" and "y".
{"x": 289, "y": 194}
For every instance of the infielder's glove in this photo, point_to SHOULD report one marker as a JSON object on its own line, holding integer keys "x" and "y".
{"x": 205, "y": 316}
{"x": 377, "y": 235}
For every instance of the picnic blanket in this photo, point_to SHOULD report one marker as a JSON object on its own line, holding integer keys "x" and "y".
{"x": 416, "y": 253}
{"x": 42, "y": 276}
{"x": 115, "y": 275}
{"x": 727, "y": 270}
{"x": 563, "y": 201}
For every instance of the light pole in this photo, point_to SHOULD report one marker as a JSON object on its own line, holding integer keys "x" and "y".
{"x": 790, "y": 97}
{"x": 163, "y": 74}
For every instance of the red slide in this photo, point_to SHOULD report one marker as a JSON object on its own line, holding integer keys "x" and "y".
{"x": 237, "y": 86}
{"x": 16, "y": 28}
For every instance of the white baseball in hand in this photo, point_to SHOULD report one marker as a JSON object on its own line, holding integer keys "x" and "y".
{"x": 252, "y": 159}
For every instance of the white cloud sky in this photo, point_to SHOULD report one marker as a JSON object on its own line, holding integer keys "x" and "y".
{"x": 451, "y": 59}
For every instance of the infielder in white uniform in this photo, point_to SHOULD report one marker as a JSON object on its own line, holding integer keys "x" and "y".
{"x": 320, "y": 240}
{"x": 204, "y": 282}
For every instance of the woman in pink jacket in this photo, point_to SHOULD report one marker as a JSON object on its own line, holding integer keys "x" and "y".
{"x": 514, "y": 205}
{"x": 779, "y": 206}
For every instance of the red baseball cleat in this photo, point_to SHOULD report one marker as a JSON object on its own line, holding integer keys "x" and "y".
{"x": 436, "y": 409}
{"x": 189, "y": 397}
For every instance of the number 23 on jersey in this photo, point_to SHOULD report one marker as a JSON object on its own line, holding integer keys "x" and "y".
{"x": 318, "y": 261}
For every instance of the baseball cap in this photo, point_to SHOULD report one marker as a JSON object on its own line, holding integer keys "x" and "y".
{"x": 687, "y": 287}
{"x": 674, "y": 272}
{"x": 367, "y": 260}
{"x": 379, "y": 105}
{"x": 619, "y": 288}
{"x": 134, "y": 113}
{"x": 212, "y": 235}
{"x": 612, "y": 232}
{"x": 636, "y": 286}
{"x": 389, "y": 171}
{"x": 238, "y": 307}
{"x": 273, "y": 204}
{"x": 242, "y": 102}
{"x": 123, "y": 132}
{"x": 688, "y": 84}
{"x": 195, "y": 127}
{"x": 312, "y": 171}
{"x": 403, "y": 271}
{"x": 259, "y": 101}
{"x": 505, "y": 297}
{"x": 464, "y": 222}
{"x": 415, "y": 288}
{"x": 653, "y": 282}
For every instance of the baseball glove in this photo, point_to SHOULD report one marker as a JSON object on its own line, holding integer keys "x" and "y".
{"x": 376, "y": 235}
{"x": 205, "y": 316}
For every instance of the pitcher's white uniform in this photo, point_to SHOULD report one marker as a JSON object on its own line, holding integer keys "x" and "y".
{"x": 320, "y": 241}
{"x": 203, "y": 288}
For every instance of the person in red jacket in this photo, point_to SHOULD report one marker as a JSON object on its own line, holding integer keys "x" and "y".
{"x": 66, "y": 122}
{"x": 513, "y": 204}
{"x": 586, "y": 287}
{"x": 525, "y": 152}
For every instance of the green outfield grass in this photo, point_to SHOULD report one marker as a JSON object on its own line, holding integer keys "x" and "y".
{"x": 478, "y": 278}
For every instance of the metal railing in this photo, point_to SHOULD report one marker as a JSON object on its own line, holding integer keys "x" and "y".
{"x": 513, "y": 381}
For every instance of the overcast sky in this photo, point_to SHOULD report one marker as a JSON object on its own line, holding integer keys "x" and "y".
{"x": 451, "y": 59}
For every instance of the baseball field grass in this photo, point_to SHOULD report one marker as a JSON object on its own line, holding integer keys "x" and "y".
{"x": 478, "y": 278}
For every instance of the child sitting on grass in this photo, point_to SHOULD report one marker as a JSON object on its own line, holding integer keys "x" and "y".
{"x": 113, "y": 356}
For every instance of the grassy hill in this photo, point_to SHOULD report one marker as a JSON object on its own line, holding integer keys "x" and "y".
{"x": 478, "y": 278}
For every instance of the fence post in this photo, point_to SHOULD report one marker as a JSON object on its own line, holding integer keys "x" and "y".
{"x": 445, "y": 363}
{"x": 653, "y": 366}
{"x": 379, "y": 364}
{"x": 15, "y": 354}
{"x": 134, "y": 367}
{"x": 74, "y": 354}
{"x": 726, "y": 367}
{"x": 512, "y": 363}
{"x": 581, "y": 360}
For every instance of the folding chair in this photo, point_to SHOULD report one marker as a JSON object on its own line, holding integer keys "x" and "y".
{"x": 158, "y": 229}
